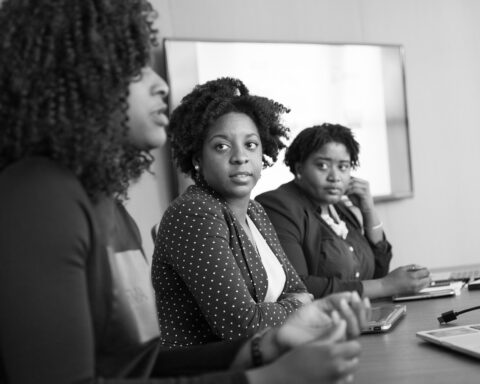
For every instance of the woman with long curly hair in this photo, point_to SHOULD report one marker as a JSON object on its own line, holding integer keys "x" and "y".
{"x": 80, "y": 109}
{"x": 217, "y": 262}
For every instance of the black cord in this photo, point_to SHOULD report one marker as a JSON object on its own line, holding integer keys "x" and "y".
{"x": 448, "y": 316}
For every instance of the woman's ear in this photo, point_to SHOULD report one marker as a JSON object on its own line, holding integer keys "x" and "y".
{"x": 298, "y": 171}
{"x": 196, "y": 164}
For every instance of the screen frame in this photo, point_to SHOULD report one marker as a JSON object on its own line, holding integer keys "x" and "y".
{"x": 406, "y": 190}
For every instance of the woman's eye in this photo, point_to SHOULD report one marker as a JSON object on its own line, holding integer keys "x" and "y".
{"x": 252, "y": 145}
{"x": 344, "y": 167}
{"x": 221, "y": 147}
{"x": 322, "y": 166}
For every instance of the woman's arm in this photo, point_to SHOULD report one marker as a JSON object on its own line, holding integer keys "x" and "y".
{"x": 310, "y": 346}
{"x": 399, "y": 281}
{"x": 46, "y": 325}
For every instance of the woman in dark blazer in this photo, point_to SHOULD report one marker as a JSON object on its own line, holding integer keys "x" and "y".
{"x": 330, "y": 247}
{"x": 218, "y": 264}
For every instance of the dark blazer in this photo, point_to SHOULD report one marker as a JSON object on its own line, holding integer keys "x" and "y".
{"x": 209, "y": 280}
{"x": 325, "y": 261}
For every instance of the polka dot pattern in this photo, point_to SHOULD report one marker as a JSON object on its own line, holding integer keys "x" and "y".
{"x": 208, "y": 279}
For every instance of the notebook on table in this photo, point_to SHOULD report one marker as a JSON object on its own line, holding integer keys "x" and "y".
{"x": 426, "y": 293}
{"x": 464, "y": 339}
{"x": 466, "y": 275}
{"x": 384, "y": 317}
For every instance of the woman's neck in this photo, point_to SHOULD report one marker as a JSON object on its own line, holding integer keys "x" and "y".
{"x": 318, "y": 204}
{"x": 239, "y": 208}
{"x": 324, "y": 209}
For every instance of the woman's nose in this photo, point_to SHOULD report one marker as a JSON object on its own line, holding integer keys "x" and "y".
{"x": 334, "y": 175}
{"x": 161, "y": 87}
{"x": 239, "y": 155}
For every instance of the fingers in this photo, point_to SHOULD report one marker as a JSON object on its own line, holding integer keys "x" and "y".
{"x": 423, "y": 283}
{"x": 362, "y": 309}
{"x": 315, "y": 362}
{"x": 347, "y": 313}
{"x": 348, "y": 349}
{"x": 420, "y": 275}
{"x": 358, "y": 186}
{"x": 417, "y": 271}
{"x": 346, "y": 359}
{"x": 350, "y": 307}
{"x": 409, "y": 278}
{"x": 337, "y": 330}
{"x": 358, "y": 181}
{"x": 343, "y": 355}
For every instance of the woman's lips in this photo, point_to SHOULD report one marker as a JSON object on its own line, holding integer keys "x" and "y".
{"x": 241, "y": 176}
{"x": 159, "y": 118}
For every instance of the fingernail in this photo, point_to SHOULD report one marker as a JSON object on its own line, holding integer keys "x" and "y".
{"x": 367, "y": 303}
{"x": 355, "y": 297}
{"x": 343, "y": 303}
{"x": 335, "y": 316}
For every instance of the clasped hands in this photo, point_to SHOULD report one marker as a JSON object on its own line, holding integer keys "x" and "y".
{"x": 317, "y": 343}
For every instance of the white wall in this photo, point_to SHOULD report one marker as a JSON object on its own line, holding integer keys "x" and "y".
{"x": 439, "y": 225}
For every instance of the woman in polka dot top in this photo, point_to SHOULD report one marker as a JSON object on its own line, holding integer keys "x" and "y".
{"x": 219, "y": 271}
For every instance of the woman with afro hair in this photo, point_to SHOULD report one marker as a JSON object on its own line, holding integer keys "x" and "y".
{"x": 218, "y": 263}
{"x": 80, "y": 109}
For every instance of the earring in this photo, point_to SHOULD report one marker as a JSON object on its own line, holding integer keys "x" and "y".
{"x": 298, "y": 176}
{"x": 197, "y": 167}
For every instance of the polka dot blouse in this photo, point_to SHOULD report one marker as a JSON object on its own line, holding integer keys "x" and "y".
{"x": 209, "y": 281}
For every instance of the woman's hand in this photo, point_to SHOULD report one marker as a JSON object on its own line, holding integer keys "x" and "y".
{"x": 406, "y": 279}
{"x": 330, "y": 360}
{"x": 313, "y": 322}
{"x": 355, "y": 311}
{"x": 323, "y": 323}
{"x": 303, "y": 297}
{"x": 358, "y": 192}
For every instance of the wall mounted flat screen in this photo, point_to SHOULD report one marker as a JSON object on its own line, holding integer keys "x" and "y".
{"x": 360, "y": 86}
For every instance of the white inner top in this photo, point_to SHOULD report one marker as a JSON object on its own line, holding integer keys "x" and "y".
{"x": 275, "y": 273}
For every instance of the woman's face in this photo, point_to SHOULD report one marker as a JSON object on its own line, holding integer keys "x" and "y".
{"x": 325, "y": 174}
{"x": 231, "y": 157}
{"x": 146, "y": 110}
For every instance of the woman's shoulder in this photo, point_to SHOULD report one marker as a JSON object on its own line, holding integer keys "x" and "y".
{"x": 50, "y": 200}
{"x": 195, "y": 200}
{"x": 41, "y": 177}
{"x": 287, "y": 197}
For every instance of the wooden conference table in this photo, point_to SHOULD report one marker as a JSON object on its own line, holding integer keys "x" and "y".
{"x": 399, "y": 356}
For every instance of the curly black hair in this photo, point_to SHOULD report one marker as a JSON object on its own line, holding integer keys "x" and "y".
{"x": 65, "y": 68}
{"x": 199, "y": 109}
{"x": 314, "y": 138}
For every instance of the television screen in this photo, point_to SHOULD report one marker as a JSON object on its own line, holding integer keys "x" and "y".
{"x": 360, "y": 86}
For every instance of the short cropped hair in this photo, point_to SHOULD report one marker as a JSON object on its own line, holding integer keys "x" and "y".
{"x": 65, "y": 69}
{"x": 314, "y": 138}
{"x": 199, "y": 109}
